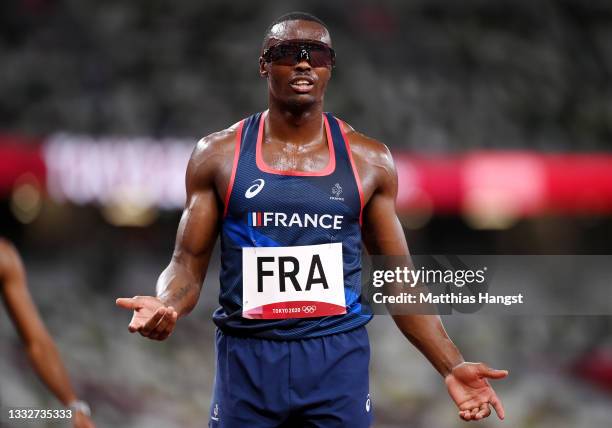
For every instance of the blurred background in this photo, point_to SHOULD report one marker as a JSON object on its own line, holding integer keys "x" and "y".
{"x": 499, "y": 116}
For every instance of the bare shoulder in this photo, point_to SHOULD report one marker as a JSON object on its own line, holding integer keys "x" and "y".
{"x": 212, "y": 154}
{"x": 370, "y": 155}
{"x": 216, "y": 145}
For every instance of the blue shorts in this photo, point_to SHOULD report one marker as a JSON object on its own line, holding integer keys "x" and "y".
{"x": 318, "y": 382}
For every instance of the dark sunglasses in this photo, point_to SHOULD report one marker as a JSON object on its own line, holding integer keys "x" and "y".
{"x": 292, "y": 52}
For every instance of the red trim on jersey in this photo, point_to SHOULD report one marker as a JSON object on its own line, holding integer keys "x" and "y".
{"x": 234, "y": 167}
{"x": 355, "y": 173}
{"x": 259, "y": 219}
{"x": 331, "y": 164}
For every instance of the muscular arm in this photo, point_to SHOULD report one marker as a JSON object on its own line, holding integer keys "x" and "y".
{"x": 178, "y": 286}
{"x": 383, "y": 235}
{"x": 180, "y": 283}
{"x": 38, "y": 343}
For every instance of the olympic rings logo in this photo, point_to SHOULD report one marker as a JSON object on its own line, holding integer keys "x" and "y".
{"x": 309, "y": 309}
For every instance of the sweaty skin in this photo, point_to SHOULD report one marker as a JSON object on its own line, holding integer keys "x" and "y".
{"x": 294, "y": 138}
{"x": 38, "y": 343}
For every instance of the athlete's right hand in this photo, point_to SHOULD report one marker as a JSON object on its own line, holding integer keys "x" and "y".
{"x": 152, "y": 318}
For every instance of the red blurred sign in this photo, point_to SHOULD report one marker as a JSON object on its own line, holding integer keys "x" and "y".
{"x": 520, "y": 182}
{"x": 514, "y": 183}
{"x": 19, "y": 156}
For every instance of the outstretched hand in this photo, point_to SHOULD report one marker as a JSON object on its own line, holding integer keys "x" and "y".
{"x": 151, "y": 318}
{"x": 468, "y": 386}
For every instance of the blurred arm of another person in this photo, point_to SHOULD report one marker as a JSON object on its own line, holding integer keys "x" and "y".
{"x": 179, "y": 285}
{"x": 383, "y": 235}
{"x": 38, "y": 343}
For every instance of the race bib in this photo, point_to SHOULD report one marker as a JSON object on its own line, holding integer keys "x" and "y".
{"x": 293, "y": 282}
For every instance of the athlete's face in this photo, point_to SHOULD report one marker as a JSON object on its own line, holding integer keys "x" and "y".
{"x": 301, "y": 84}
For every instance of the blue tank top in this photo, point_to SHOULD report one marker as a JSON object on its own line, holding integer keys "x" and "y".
{"x": 282, "y": 211}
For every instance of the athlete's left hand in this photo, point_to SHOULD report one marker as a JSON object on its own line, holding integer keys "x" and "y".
{"x": 468, "y": 386}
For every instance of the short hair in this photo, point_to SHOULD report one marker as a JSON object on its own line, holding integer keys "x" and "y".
{"x": 292, "y": 16}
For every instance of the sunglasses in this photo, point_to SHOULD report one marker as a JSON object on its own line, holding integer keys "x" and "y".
{"x": 292, "y": 52}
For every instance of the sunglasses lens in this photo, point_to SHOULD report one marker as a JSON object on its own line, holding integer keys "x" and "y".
{"x": 284, "y": 54}
{"x": 320, "y": 58}
{"x": 292, "y": 53}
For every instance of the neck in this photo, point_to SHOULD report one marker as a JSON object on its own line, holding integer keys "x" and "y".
{"x": 298, "y": 125}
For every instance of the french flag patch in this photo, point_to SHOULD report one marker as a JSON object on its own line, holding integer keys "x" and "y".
{"x": 255, "y": 219}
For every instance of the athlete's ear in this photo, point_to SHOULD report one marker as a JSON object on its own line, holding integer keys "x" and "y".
{"x": 263, "y": 72}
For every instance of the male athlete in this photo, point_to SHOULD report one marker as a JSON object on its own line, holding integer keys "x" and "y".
{"x": 293, "y": 191}
{"x": 38, "y": 343}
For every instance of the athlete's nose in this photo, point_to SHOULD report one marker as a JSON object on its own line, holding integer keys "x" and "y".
{"x": 303, "y": 65}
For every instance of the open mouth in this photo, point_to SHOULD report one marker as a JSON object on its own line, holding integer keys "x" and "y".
{"x": 301, "y": 85}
